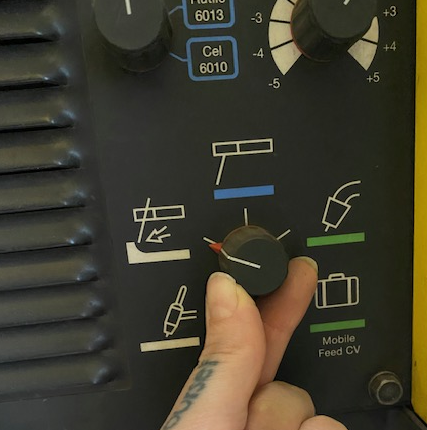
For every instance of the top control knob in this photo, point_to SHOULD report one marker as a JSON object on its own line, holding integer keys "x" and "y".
{"x": 325, "y": 29}
{"x": 255, "y": 258}
{"x": 137, "y": 33}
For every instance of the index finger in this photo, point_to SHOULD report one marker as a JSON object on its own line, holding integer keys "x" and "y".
{"x": 282, "y": 311}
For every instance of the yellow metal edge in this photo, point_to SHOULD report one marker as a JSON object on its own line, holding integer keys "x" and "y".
{"x": 419, "y": 369}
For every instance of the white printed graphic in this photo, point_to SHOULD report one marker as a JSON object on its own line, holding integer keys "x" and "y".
{"x": 238, "y": 148}
{"x": 157, "y": 236}
{"x": 285, "y": 52}
{"x": 159, "y": 213}
{"x": 337, "y": 291}
{"x": 151, "y": 214}
{"x": 283, "y": 49}
{"x": 285, "y": 233}
{"x": 174, "y": 316}
{"x": 217, "y": 246}
{"x": 365, "y": 49}
{"x": 337, "y": 208}
{"x": 128, "y": 7}
{"x": 246, "y": 221}
{"x": 176, "y": 313}
{"x": 245, "y": 216}
{"x": 162, "y": 345}
{"x": 210, "y": 241}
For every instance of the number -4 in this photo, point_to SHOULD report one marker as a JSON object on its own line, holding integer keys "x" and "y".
{"x": 275, "y": 83}
{"x": 259, "y": 53}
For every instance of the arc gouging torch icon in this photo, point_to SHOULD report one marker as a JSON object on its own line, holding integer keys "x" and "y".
{"x": 337, "y": 209}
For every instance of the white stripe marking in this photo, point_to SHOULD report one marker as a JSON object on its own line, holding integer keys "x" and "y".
{"x": 162, "y": 345}
{"x": 128, "y": 7}
{"x": 206, "y": 239}
{"x": 284, "y": 234}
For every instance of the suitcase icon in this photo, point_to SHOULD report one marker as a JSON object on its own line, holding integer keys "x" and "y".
{"x": 337, "y": 291}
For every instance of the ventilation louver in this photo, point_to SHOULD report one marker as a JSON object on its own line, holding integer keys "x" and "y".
{"x": 54, "y": 337}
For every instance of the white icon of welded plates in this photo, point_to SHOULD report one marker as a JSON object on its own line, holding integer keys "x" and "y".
{"x": 239, "y": 148}
{"x": 151, "y": 214}
{"x": 337, "y": 291}
{"x": 337, "y": 207}
{"x": 176, "y": 313}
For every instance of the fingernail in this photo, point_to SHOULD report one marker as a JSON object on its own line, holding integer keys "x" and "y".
{"x": 221, "y": 296}
{"x": 309, "y": 261}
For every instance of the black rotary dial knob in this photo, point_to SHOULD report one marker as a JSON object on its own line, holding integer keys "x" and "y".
{"x": 325, "y": 29}
{"x": 255, "y": 258}
{"x": 137, "y": 32}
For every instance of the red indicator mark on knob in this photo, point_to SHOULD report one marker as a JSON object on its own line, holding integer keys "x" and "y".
{"x": 216, "y": 247}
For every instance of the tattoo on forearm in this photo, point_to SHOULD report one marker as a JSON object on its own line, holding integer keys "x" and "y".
{"x": 205, "y": 371}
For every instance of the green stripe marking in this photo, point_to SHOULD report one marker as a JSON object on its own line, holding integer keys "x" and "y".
{"x": 335, "y": 239}
{"x": 337, "y": 325}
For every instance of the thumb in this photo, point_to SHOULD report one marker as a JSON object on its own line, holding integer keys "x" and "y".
{"x": 218, "y": 391}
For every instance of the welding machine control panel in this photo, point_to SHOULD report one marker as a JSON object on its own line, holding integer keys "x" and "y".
{"x": 147, "y": 144}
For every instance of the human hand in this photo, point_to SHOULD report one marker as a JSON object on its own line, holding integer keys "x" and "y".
{"x": 232, "y": 387}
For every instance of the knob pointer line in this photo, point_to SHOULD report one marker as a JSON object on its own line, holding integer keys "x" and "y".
{"x": 239, "y": 260}
{"x": 217, "y": 247}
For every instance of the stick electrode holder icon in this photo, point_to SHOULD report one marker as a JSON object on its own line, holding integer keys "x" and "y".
{"x": 238, "y": 148}
{"x": 337, "y": 209}
{"x": 176, "y": 313}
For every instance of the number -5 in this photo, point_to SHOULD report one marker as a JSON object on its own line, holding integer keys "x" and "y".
{"x": 275, "y": 83}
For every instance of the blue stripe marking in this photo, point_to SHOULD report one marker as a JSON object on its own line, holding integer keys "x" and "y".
{"x": 238, "y": 193}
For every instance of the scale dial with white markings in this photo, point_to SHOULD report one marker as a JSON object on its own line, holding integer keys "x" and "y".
{"x": 285, "y": 51}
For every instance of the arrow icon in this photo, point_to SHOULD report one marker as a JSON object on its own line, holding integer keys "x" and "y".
{"x": 156, "y": 236}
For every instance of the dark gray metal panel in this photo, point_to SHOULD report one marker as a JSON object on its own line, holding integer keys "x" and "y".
{"x": 44, "y": 305}
{"x": 26, "y": 21}
{"x": 28, "y": 66}
{"x": 385, "y": 419}
{"x": 34, "y": 110}
{"x": 151, "y": 137}
{"x": 38, "y": 151}
{"x": 56, "y": 335}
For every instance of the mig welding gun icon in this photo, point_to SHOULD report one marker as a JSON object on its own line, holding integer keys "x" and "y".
{"x": 336, "y": 208}
{"x": 176, "y": 313}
